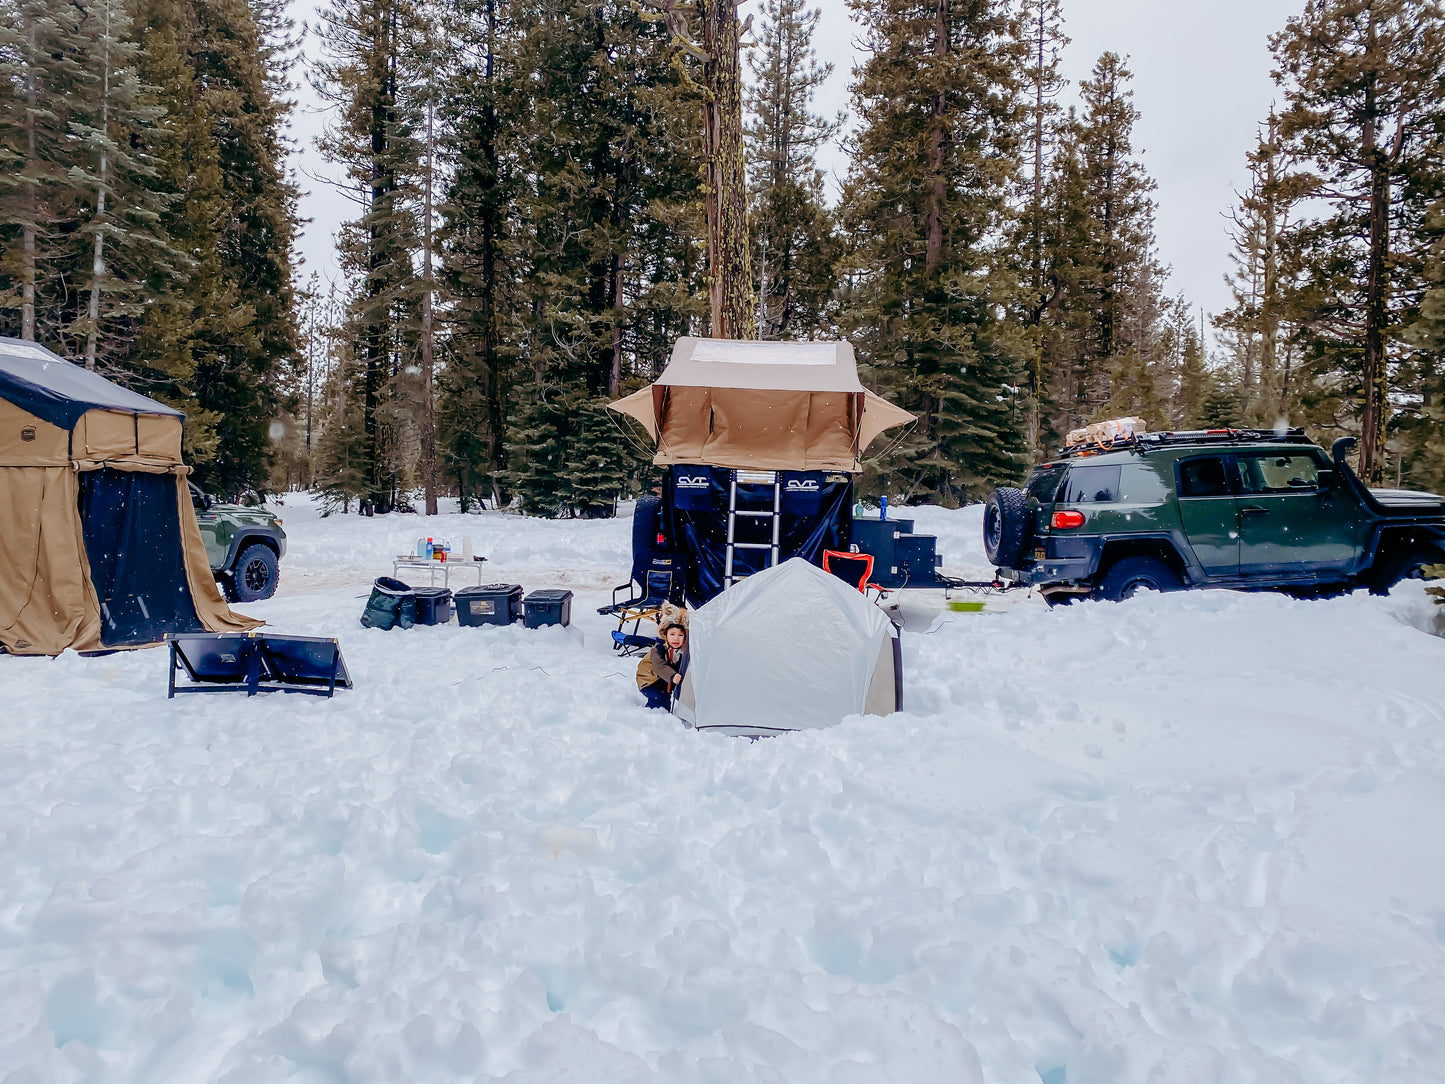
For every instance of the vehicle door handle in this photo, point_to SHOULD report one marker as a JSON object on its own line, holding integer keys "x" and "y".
{"x": 1254, "y": 510}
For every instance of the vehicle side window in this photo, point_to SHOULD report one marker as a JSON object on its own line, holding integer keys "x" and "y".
{"x": 1044, "y": 483}
{"x": 1141, "y": 484}
{"x": 1091, "y": 485}
{"x": 1265, "y": 473}
{"x": 1203, "y": 478}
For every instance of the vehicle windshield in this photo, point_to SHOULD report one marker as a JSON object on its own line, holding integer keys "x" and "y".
{"x": 1044, "y": 482}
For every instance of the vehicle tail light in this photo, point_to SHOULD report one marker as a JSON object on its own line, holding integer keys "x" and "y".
{"x": 661, "y": 539}
{"x": 1067, "y": 521}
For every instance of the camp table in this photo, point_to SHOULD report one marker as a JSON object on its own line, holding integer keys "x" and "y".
{"x": 446, "y": 568}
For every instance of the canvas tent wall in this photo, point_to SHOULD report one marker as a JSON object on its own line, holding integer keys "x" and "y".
{"x": 795, "y": 406}
{"x": 790, "y": 648}
{"x": 99, "y": 546}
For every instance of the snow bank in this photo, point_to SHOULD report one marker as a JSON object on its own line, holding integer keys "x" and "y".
{"x": 1184, "y": 839}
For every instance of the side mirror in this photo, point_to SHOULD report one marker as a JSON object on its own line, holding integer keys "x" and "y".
{"x": 1326, "y": 481}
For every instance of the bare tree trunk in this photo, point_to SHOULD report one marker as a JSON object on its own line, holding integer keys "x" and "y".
{"x": 27, "y": 244}
{"x": 619, "y": 298}
{"x": 428, "y": 423}
{"x": 730, "y": 279}
{"x": 933, "y": 243}
{"x": 97, "y": 267}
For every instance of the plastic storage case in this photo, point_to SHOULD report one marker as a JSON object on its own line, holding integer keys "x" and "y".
{"x": 547, "y": 608}
{"x": 491, "y": 604}
{"x": 433, "y": 605}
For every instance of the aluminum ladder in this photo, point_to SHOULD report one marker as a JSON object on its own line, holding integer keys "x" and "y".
{"x": 775, "y": 514}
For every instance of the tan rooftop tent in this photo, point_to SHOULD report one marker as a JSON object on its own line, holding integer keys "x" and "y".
{"x": 99, "y": 547}
{"x": 762, "y": 406}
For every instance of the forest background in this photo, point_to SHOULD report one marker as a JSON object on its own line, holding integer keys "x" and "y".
{"x": 526, "y": 233}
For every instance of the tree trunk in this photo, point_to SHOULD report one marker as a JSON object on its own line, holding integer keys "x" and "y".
{"x": 97, "y": 266}
{"x": 730, "y": 279}
{"x": 933, "y": 230}
{"x": 428, "y": 424}
{"x": 1372, "y": 417}
{"x": 27, "y": 244}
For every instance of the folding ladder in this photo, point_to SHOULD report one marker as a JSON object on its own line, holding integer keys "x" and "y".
{"x": 775, "y": 514}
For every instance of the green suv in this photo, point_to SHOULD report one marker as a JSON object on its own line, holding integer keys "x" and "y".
{"x": 1221, "y": 508}
{"x": 244, "y": 545}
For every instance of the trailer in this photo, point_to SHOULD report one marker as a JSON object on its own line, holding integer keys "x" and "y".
{"x": 760, "y": 445}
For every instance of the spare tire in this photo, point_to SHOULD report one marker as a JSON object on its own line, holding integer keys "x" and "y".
{"x": 646, "y": 524}
{"x": 1006, "y": 526}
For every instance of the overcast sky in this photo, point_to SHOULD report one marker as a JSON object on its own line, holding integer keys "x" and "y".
{"x": 1201, "y": 82}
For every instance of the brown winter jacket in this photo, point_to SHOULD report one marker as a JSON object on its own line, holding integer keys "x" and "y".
{"x": 659, "y": 664}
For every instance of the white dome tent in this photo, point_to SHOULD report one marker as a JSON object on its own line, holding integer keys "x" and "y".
{"x": 789, "y": 648}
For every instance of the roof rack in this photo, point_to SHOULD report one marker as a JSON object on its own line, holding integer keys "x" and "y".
{"x": 1142, "y": 441}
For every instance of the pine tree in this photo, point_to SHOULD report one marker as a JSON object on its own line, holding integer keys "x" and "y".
{"x": 1042, "y": 23}
{"x": 1363, "y": 111}
{"x": 373, "y": 136}
{"x": 793, "y": 247}
{"x": 926, "y": 204}
{"x": 40, "y": 49}
{"x": 604, "y": 276}
{"x": 485, "y": 113}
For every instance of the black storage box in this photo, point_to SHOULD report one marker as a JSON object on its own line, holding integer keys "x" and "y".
{"x": 492, "y": 604}
{"x": 433, "y": 605}
{"x": 547, "y": 608}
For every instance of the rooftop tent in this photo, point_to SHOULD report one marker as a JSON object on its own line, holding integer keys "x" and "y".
{"x": 795, "y": 406}
{"x": 99, "y": 546}
{"x": 789, "y": 648}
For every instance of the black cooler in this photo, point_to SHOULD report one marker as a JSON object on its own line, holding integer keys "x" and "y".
{"x": 547, "y": 608}
{"x": 492, "y": 604}
{"x": 433, "y": 605}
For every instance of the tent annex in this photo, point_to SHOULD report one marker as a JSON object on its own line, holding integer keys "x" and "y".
{"x": 99, "y": 547}
{"x": 789, "y": 648}
{"x": 761, "y": 405}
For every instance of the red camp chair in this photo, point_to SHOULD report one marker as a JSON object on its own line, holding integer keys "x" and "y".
{"x": 854, "y": 568}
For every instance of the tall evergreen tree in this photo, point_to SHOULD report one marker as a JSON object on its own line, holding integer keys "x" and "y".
{"x": 1363, "y": 111}
{"x": 931, "y": 297}
{"x": 373, "y": 136}
{"x": 792, "y": 232}
{"x": 485, "y": 114}
{"x": 603, "y": 287}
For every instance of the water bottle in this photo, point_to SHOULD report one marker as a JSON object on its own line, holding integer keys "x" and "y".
{"x": 421, "y": 547}
{"x": 428, "y": 549}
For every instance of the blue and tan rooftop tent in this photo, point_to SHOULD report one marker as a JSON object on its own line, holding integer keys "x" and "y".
{"x": 99, "y": 547}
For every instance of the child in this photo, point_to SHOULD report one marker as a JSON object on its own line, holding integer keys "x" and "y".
{"x": 660, "y": 671}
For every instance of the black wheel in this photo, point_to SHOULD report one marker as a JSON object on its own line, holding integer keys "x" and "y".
{"x": 1133, "y": 574}
{"x": 1006, "y": 526}
{"x": 255, "y": 574}
{"x": 646, "y": 523}
{"x": 1407, "y": 564}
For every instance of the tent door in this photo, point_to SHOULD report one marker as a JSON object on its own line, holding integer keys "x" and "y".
{"x": 770, "y": 521}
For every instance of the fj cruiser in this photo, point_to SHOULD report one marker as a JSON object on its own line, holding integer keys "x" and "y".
{"x": 244, "y": 545}
{"x": 1219, "y": 508}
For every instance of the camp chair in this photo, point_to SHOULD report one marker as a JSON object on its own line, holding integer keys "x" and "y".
{"x": 659, "y": 587}
{"x": 854, "y": 568}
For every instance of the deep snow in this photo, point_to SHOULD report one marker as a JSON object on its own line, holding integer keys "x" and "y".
{"x": 1184, "y": 839}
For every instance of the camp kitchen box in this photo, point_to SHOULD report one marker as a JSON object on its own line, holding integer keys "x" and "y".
{"x": 492, "y": 604}
{"x": 433, "y": 605}
{"x": 547, "y": 608}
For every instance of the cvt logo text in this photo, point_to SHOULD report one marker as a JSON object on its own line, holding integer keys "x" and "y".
{"x": 694, "y": 482}
{"x": 802, "y": 485}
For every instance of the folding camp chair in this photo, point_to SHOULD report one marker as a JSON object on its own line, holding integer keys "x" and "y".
{"x": 659, "y": 587}
{"x": 854, "y": 568}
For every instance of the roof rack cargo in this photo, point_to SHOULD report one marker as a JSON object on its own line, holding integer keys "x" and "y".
{"x": 1142, "y": 441}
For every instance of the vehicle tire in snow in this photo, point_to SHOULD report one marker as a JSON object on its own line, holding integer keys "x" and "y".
{"x": 1404, "y": 565}
{"x": 1006, "y": 526}
{"x": 1133, "y": 574}
{"x": 255, "y": 574}
{"x": 646, "y": 523}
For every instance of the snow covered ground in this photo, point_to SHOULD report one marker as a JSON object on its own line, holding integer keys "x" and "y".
{"x": 1185, "y": 839}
